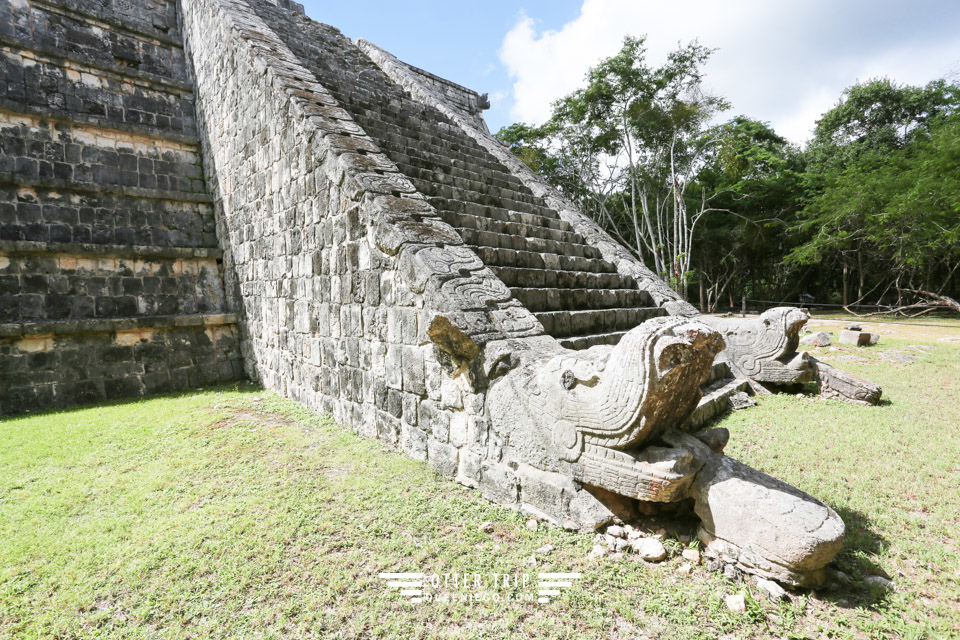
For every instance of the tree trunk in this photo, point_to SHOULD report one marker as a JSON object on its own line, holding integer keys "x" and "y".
{"x": 846, "y": 284}
{"x": 703, "y": 305}
{"x": 860, "y": 269}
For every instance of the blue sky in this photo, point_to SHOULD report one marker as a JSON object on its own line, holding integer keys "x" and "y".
{"x": 784, "y": 62}
{"x": 455, "y": 40}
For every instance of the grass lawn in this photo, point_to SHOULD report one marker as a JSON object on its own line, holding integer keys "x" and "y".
{"x": 229, "y": 513}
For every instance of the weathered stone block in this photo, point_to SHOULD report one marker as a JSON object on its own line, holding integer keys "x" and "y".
{"x": 498, "y": 483}
{"x": 442, "y": 457}
{"x": 854, "y": 338}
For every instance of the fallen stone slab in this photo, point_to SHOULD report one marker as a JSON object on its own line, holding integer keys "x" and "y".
{"x": 835, "y": 383}
{"x": 819, "y": 339}
{"x": 855, "y": 338}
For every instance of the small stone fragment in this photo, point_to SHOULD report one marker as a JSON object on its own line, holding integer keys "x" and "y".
{"x": 532, "y": 524}
{"x": 736, "y": 603}
{"x": 853, "y": 327}
{"x": 772, "y": 590}
{"x": 545, "y": 549}
{"x": 486, "y": 527}
{"x": 714, "y": 564}
{"x": 649, "y": 549}
{"x": 616, "y": 530}
{"x": 715, "y": 438}
{"x": 598, "y": 551}
{"x": 879, "y": 582}
{"x": 692, "y": 555}
{"x": 837, "y": 579}
{"x": 617, "y": 544}
{"x": 740, "y": 400}
{"x": 731, "y": 572}
{"x": 685, "y": 569}
{"x": 531, "y": 561}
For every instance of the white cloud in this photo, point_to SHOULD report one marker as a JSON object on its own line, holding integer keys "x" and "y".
{"x": 783, "y": 62}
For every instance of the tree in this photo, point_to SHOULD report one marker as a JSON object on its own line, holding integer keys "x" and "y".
{"x": 878, "y": 200}
{"x": 627, "y": 148}
{"x": 756, "y": 176}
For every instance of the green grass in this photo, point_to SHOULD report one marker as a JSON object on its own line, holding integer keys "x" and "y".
{"x": 232, "y": 513}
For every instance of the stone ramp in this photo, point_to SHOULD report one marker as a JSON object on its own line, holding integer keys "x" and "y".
{"x": 579, "y": 297}
{"x": 110, "y": 276}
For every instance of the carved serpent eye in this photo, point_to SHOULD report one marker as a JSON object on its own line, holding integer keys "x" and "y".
{"x": 568, "y": 380}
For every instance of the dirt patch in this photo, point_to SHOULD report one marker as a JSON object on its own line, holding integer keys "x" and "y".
{"x": 245, "y": 416}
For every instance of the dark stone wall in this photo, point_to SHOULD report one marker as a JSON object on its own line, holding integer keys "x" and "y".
{"x": 111, "y": 281}
{"x": 86, "y": 156}
{"x": 93, "y": 365}
{"x": 53, "y": 214}
{"x": 72, "y": 88}
{"x": 37, "y": 283}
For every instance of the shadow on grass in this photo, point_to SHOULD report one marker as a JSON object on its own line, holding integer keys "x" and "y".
{"x": 237, "y": 386}
{"x": 862, "y": 544}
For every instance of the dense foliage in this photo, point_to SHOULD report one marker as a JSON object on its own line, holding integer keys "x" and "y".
{"x": 867, "y": 212}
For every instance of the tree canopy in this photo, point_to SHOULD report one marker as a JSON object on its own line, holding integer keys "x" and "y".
{"x": 868, "y": 211}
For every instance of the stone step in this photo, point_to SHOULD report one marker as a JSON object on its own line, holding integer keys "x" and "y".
{"x": 405, "y": 124}
{"x": 716, "y": 400}
{"x": 59, "y": 213}
{"x": 493, "y": 180}
{"x": 719, "y": 371}
{"x": 72, "y": 88}
{"x": 495, "y": 257}
{"x": 564, "y": 324}
{"x": 537, "y": 300}
{"x": 101, "y": 325}
{"x": 466, "y": 208}
{"x": 449, "y": 160}
{"x": 523, "y": 243}
{"x": 549, "y": 279}
{"x": 40, "y": 286}
{"x": 57, "y": 364}
{"x": 489, "y": 197}
{"x": 415, "y": 136}
{"x": 466, "y": 221}
{"x": 585, "y": 342}
{"x": 38, "y": 149}
{"x": 405, "y": 127}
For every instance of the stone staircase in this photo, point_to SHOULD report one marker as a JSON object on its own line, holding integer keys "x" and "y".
{"x": 579, "y": 297}
{"x": 717, "y": 390}
{"x": 111, "y": 282}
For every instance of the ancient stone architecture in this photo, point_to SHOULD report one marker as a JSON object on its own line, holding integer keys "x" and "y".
{"x": 377, "y": 255}
{"x": 110, "y": 276}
